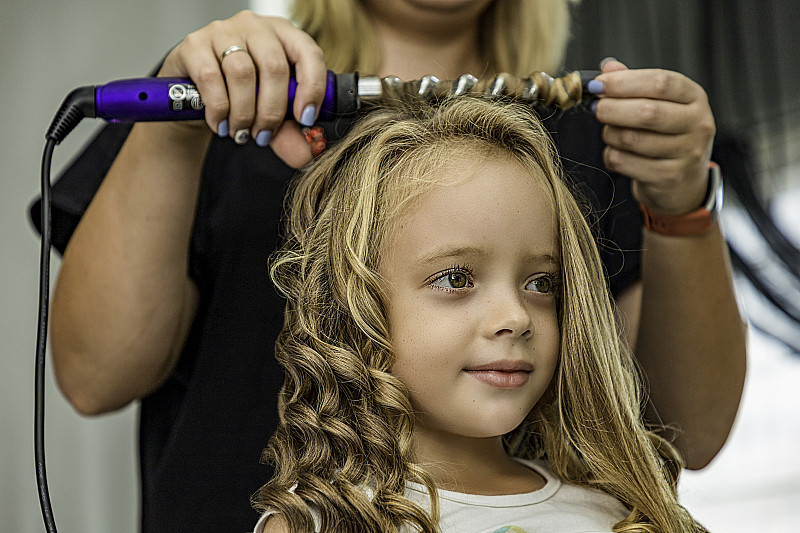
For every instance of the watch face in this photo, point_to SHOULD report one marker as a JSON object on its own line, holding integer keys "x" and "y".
{"x": 715, "y": 196}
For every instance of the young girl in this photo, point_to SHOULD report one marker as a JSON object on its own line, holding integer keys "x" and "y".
{"x": 451, "y": 357}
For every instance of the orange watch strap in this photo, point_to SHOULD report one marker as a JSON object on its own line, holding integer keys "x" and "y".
{"x": 692, "y": 223}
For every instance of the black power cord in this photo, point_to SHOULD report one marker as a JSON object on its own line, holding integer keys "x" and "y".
{"x": 77, "y": 105}
{"x": 41, "y": 342}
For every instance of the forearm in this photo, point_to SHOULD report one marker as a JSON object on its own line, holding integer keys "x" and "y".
{"x": 123, "y": 302}
{"x": 691, "y": 340}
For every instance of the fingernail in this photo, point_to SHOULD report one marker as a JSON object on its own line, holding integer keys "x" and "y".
{"x": 593, "y": 107}
{"x": 308, "y": 116}
{"x": 595, "y": 87}
{"x": 241, "y": 136}
{"x": 263, "y": 138}
{"x": 606, "y": 60}
{"x": 222, "y": 128}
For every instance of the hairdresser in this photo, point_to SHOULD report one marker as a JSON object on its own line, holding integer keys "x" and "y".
{"x": 164, "y": 297}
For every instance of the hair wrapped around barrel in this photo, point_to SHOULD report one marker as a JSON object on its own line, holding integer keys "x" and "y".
{"x": 538, "y": 88}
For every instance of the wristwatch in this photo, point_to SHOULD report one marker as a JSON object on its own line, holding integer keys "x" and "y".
{"x": 695, "y": 222}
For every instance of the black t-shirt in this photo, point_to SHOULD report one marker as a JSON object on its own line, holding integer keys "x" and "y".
{"x": 203, "y": 431}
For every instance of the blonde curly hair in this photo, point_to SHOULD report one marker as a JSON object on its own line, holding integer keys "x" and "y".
{"x": 344, "y": 443}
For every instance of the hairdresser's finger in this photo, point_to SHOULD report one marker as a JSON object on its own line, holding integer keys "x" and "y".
{"x": 643, "y": 113}
{"x": 612, "y": 64}
{"x": 240, "y": 79}
{"x": 273, "y": 82}
{"x": 289, "y": 144}
{"x": 645, "y": 142}
{"x": 656, "y": 84}
{"x": 196, "y": 59}
{"x": 664, "y": 185}
{"x": 641, "y": 169}
{"x": 662, "y": 172}
{"x": 310, "y": 72}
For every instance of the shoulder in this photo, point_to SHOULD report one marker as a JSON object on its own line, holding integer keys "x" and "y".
{"x": 581, "y": 502}
{"x": 589, "y": 503}
{"x": 271, "y": 523}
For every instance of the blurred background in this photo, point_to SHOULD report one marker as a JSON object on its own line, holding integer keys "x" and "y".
{"x": 744, "y": 52}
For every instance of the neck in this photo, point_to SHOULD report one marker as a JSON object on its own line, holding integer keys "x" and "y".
{"x": 412, "y": 49}
{"x": 472, "y": 465}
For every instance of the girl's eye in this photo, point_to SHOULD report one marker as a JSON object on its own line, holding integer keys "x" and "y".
{"x": 544, "y": 284}
{"x": 452, "y": 279}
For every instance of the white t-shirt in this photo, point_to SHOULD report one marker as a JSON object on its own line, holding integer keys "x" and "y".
{"x": 558, "y": 507}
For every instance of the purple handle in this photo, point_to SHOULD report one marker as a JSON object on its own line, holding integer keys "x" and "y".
{"x": 162, "y": 99}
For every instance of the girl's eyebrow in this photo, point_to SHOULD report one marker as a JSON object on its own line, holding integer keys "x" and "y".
{"x": 453, "y": 252}
{"x": 474, "y": 252}
{"x": 544, "y": 258}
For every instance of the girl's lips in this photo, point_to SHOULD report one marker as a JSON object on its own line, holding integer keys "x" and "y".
{"x": 503, "y": 365}
{"x": 501, "y": 379}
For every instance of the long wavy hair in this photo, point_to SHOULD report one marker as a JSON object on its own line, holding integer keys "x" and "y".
{"x": 344, "y": 443}
{"x": 516, "y": 36}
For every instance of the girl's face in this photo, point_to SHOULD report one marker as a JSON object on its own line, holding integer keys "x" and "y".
{"x": 471, "y": 270}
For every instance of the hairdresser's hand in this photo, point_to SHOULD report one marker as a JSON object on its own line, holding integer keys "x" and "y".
{"x": 659, "y": 131}
{"x": 228, "y": 86}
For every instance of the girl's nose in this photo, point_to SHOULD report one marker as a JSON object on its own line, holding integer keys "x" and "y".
{"x": 507, "y": 315}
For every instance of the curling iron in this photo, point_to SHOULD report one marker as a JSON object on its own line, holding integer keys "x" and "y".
{"x": 168, "y": 99}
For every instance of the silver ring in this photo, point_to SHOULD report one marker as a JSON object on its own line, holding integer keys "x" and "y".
{"x": 241, "y": 136}
{"x": 230, "y": 50}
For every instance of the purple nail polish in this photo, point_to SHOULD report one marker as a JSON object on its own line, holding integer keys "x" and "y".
{"x": 593, "y": 107}
{"x": 263, "y": 138}
{"x": 222, "y": 128}
{"x": 595, "y": 87}
{"x": 308, "y": 116}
